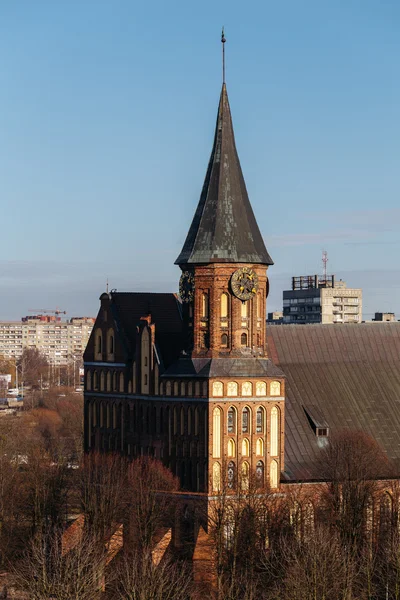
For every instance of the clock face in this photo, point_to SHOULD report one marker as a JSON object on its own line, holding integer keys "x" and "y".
{"x": 244, "y": 283}
{"x": 186, "y": 287}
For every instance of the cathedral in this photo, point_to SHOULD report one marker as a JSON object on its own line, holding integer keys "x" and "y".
{"x": 196, "y": 381}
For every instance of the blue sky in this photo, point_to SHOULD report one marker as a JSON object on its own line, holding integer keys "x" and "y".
{"x": 107, "y": 113}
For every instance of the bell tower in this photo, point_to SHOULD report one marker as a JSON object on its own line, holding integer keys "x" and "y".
{"x": 224, "y": 370}
{"x": 224, "y": 260}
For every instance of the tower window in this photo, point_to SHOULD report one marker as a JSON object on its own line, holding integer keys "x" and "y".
{"x": 246, "y": 420}
{"x": 218, "y": 388}
{"x": 224, "y": 340}
{"x": 243, "y": 339}
{"x": 260, "y": 420}
{"x": 275, "y": 388}
{"x": 224, "y": 306}
{"x": 204, "y": 306}
{"x": 260, "y": 447}
{"x": 232, "y": 388}
{"x": 231, "y": 420}
{"x": 245, "y": 447}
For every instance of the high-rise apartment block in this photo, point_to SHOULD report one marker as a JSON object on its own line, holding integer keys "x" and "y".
{"x": 60, "y": 341}
{"x": 321, "y": 300}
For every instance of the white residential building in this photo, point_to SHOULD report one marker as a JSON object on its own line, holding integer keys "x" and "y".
{"x": 60, "y": 341}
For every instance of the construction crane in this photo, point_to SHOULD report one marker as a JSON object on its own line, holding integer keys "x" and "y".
{"x": 57, "y": 311}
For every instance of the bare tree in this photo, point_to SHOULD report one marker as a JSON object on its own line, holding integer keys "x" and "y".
{"x": 33, "y": 367}
{"x": 151, "y": 500}
{"x": 318, "y": 568}
{"x": 47, "y": 572}
{"x": 351, "y": 464}
{"x": 103, "y": 493}
{"x": 138, "y": 578}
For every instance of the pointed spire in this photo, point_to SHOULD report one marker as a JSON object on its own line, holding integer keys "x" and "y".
{"x": 224, "y": 228}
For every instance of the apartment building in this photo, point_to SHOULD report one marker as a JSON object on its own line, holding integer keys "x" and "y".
{"x": 321, "y": 300}
{"x": 60, "y": 341}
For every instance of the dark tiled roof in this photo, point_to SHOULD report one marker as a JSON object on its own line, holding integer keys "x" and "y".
{"x": 224, "y": 367}
{"x": 349, "y": 375}
{"x": 129, "y": 307}
{"x": 224, "y": 228}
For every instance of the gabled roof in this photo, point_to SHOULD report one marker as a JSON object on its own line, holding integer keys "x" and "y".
{"x": 129, "y": 307}
{"x": 349, "y": 375}
{"x": 224, "y": 228}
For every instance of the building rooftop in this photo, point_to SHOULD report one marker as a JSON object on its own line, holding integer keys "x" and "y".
{"x": 343, "y": 377}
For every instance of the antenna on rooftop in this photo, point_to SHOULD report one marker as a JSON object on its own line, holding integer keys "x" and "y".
{"x": 324, "y": 264}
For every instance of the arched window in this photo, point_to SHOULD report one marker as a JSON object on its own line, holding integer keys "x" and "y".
{"x": 260, "y": 420}
{"x": 231, "y": 448}
{"x": 258, "y": 306}
{"x": 168, "y": 388}
{"x": 190, "y": 388}
{"x": 95, "y": 381}
{"x": 231, "y": 420}
{"x": 218, "y": 388}
{"x": 245, "y": 476}
{"x": 232, "y": 388}
{"x": 273, "y": 478}
{"x": 183, "y": 388}
{"x": 129, "y": 387}
{"x": 121, "y": 382}
{"x": 217, "y": 432}
{"x": 261, "y": 388}
{"x": 197, "y": 388}
{"x": 216, "y": 478}
{"x": 245, "y": 447}
{"x": 274, "y": 431}
{"x": 260, "y": 447}
{"x": 246, "y": 420}
{"x": 231, "y": 474}
{"x": 115, "y": 381}
{"x": 108, "y": 381}
{"x": 102, "y": 382}
{"x": 161, "y": 388}
{"x": 275, "y": 388}
{"x": 247, "y": 388}
{"x": 260, "y": 472}
{"x": 176, "y": 388}
{"x": 243, "y": 310}
{"x": 204, "y": 306}
{"x": 224, "y": 306}
{"x": 205, "y": 388}
{"x": 110, "y": 344}
{"x": 224, "y": 340}
{"x": 88, "y": 381}
{"x": 243, "y": 339}
{"x": 99, "y": 343}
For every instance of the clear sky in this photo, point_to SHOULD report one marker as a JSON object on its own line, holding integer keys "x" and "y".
{"x": 107, "y": 114}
